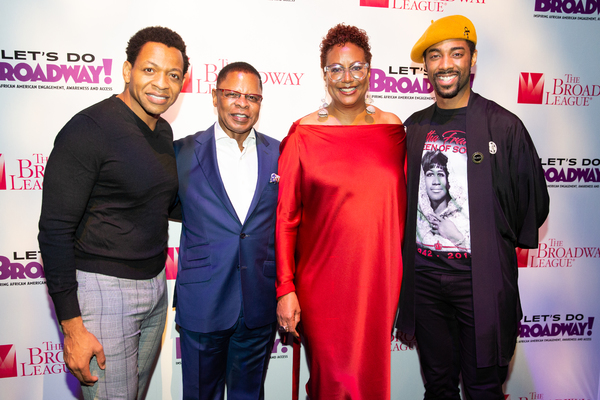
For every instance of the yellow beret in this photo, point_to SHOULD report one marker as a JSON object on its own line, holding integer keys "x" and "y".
{"x": 451, "y": 27}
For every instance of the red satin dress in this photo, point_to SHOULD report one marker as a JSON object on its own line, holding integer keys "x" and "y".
{"x": 340, "y": 223}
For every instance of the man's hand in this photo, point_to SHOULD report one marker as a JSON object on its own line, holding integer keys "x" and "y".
{"x": 80, "y": 347}
{"x": 288, "y": 313}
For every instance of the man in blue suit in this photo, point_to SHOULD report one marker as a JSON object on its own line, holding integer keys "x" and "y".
{"x": 225, "y": 289}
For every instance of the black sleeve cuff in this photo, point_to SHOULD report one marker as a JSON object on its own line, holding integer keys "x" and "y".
{"x": 66, "y": 304}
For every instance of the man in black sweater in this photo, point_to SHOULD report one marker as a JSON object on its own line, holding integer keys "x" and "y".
{"x": 108, "y": 186}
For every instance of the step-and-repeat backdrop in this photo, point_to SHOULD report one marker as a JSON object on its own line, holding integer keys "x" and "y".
{"x": 537, "y": 58}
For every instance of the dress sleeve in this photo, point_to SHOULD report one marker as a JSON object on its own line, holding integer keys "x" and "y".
{"x": 289, "y": 212}
{"x": 69, "y": 178}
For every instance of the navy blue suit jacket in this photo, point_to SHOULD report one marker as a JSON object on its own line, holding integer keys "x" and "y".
{"x": 224, "y": 263}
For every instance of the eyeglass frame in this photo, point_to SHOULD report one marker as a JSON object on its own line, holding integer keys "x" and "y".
{"x": 240, "y": 94}
{"x": 327, "y": 71}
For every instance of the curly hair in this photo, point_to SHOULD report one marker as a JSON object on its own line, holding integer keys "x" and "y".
{"x": 156, "y": 34}
{"x": 342, "y": 34}
{"x": 238, "y": 66}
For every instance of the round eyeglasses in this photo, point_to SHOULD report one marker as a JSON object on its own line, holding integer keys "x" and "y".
{"x": 336, "y": 72}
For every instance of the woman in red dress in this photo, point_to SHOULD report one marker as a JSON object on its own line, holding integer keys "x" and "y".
{"x": 340, "y": 221}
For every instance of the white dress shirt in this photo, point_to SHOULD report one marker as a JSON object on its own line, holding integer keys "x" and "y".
{"x": 238, "y": 169}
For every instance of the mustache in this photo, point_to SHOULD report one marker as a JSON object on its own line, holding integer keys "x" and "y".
{"x": 447, "y": 71}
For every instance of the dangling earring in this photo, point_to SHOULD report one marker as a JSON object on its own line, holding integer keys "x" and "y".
{"x": 369, "y": 102}
{"x": 323, "y": 113}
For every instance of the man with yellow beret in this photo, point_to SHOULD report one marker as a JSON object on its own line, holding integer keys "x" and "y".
{"x": 476, "y": 190}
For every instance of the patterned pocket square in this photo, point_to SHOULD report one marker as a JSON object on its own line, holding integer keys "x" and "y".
{"x": 274, "y": 178}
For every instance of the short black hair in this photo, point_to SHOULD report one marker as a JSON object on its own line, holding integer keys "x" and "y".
{"x": 238, "y": 66}
{"x": 471, "y": 47}
{"x": 156, "y": 34}
{"x": 437, "y": 159}
{"x": 433, "y": 159}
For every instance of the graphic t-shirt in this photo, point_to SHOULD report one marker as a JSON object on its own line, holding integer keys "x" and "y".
{"x": 443, "y": 230}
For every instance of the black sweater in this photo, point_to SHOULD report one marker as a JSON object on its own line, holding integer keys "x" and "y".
{"x": 108, "y": 185}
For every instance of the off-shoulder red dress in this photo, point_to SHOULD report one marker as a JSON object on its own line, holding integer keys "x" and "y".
{"x": 340, "y": 222}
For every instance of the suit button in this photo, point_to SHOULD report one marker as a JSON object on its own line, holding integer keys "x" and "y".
{"x": 243, "y": 236}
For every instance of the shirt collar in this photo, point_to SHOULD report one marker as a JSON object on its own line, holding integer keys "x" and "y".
{"x": 220, "y": 134}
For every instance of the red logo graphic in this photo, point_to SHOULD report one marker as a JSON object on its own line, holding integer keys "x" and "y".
{"x": 172, "y": 262}
{"x": 8, "y": 361}
{"x": 187, "y": 85}
{"x": 522, "y": 257}
{"x": 375, "y": 3}
{"x": 2, "y": 173}
{"x": 531, "y": 88}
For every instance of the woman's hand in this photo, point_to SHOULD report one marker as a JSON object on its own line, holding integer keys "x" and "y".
{"x": 288, "y": 313}
{"x": 449, "y": 231}
{"x": 446, "y": 229}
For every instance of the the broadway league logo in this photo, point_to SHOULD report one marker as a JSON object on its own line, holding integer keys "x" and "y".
{"x": 30, "y": 175}
{"x": 375, "y": 3}
{"x": 8, "y": 361}
{"x": 531, "y": 88}
{"x": 555, "y": 253}
{"x": 202, "y": 78}
{"x": 414, "y": 5}
{"x": 2, "y": 173}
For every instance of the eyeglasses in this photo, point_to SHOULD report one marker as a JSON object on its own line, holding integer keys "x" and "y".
{"x": 336, "y": 72}
{"x": 232, "y": 94}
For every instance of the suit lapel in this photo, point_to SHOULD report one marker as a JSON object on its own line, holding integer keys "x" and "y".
{"x": 206, "y": 154}
{"x": 264, "y": 154}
